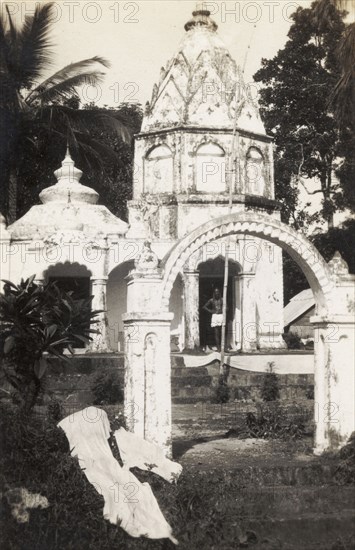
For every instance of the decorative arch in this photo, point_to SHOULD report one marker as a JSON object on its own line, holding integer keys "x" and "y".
{"x": 264, "y": 227}
{"x": 210, "y": 168}
{"x": 254, "y": 171}
{"x": 158, "y": 169}
{"x": 67, "y": 269}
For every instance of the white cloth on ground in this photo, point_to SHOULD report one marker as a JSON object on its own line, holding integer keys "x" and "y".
{"x": 127, "y": 502}
{"x": 139, "y": 453}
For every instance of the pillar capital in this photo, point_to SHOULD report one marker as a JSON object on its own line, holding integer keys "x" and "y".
{"x": 151, "y": 317}
{"x": 99, "y": 280}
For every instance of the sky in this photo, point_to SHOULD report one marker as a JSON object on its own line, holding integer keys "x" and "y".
{"x": 140, "y": 36}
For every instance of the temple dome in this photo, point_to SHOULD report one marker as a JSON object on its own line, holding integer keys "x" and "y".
{"x": 68, "y": 182}
{"x": 67, "y": 206}
{"x": 199, "y": 87}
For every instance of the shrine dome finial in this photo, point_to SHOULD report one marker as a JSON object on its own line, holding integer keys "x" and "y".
{"x": 201, "y": 18}
{"x": 68, "y": 183}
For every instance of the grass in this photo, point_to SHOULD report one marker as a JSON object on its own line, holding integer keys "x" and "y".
{"x": 205, "y": 508}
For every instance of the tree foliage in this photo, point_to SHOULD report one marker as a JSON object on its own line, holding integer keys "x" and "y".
{"x": 295, "y": 103}
{"x": 36, "y": 116}
{"x": 341, "y": 239}
{"x": 113, "y": 180}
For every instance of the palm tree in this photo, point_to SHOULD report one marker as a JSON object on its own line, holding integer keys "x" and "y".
{"x": 343, "y": 96}
{"x": 33, "y": 114}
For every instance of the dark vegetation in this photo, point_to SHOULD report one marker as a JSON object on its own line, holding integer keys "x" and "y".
{"x": 299, "y": 109}
{"x": 107, "y": 389}
{"x": 341, "y": 239}
{"x": 200, "y": 507}
{"x": 37, "y": 321}
{"x": 270, "y": 390}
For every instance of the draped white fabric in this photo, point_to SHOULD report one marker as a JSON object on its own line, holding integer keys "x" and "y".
{"x": 139, "y": 453}
{"x": 127, "y": 502}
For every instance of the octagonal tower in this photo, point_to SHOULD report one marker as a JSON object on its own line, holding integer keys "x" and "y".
{"x": 201, "y": 136}
{"x": 184, "y": 163}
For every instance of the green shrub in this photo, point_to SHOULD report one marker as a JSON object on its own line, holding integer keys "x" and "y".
{"x": 107, "y": 389}
{"x": 270, "y": 423}
{"x": 35, "y": 321}
{"x": 345, "y": 472}
{"x": 293, "y": 341}
{"x": 222, "y": 391}
{"x": 270, "y": 390}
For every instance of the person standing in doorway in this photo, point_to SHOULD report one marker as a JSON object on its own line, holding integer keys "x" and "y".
{"x": 215, "y": 307}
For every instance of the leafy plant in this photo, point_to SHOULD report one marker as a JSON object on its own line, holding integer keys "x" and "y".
{"x": 269, "y": 423}
{"x": 345, "y": 472}
{"x": 35, "y": 321}
{"x": 107, "y": 389}
{"x": 270, "y": 390}
{"x": 293, "y": 341}
{"x": 222, "y": 391}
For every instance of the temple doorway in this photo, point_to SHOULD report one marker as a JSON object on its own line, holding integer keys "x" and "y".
{"x": 211, "y": 276}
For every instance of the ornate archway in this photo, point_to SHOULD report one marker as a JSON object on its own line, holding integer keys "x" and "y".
{"x": 148, "y": 310}
{"x": 264, "y": 227}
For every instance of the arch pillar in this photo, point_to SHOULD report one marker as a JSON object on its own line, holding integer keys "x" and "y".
{"x": 191, "y": 309}
{"x": 334, "y": 381}
{"x": 334, "y": 341}
{"x": 147, "y": 396}
{"x": 100, "y": 341}
{"x": 248, "y": 312}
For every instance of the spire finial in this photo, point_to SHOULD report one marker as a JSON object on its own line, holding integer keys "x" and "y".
{"x": 68, "y": 172}
{"x": 201, "y": 18}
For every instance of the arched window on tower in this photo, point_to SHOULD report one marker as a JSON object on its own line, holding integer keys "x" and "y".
{"x": 255, "y": 182}
{"x": 210, "y": 168}
{"x": 158, "y": 170}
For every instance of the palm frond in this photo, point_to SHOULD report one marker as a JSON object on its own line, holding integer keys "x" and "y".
{"x": 69, "y": 71}
{"x": 84, "y": 120}
{"x": 35, "y": 44}
{"x": 13, "y": 31}
{"x": 66, "y": 88}
{"x": 119, "y": 124}
{"x": 346, "y": 49}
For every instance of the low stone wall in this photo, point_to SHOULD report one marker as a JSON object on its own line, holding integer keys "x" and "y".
{"x": 72, "y": 381}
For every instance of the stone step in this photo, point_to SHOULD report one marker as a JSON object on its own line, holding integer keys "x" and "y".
{"x": 286, "y": 501}
{"x": 311, "y": 531}
{"x": 191, "y": 381}
{"x": 182, "y": 372}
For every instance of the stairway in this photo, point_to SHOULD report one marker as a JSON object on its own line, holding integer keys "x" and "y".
{"x": 273, "y": 497}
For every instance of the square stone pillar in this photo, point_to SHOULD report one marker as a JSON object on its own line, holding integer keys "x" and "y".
{"x": 334, "y": 392}
{"x": 148, "y": 376}
{"x": 100, "y": 343}
{"x": 248, "y": 312}
{"x": 191, "y": 309}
